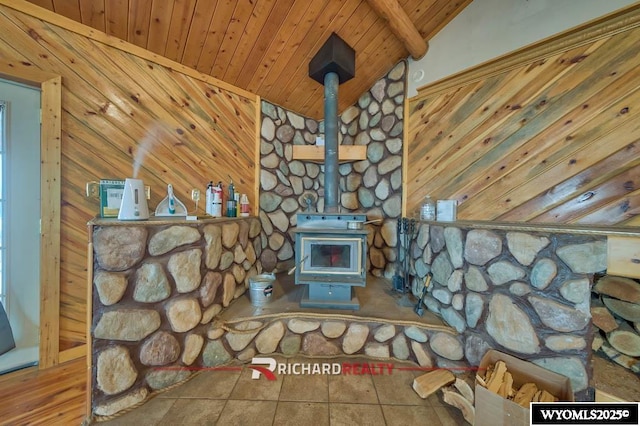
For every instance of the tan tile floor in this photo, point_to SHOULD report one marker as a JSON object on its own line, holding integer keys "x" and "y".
{"x": 233, "y": 398}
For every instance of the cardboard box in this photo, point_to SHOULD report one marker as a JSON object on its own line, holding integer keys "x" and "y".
{"x": 494, "y": 410}
{"x": 447, "y": 210}
{"x": 111, "y": 191}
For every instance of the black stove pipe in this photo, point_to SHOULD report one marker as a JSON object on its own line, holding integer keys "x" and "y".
{"x": 331, "y": 66}
{"x": 331, "y": 178}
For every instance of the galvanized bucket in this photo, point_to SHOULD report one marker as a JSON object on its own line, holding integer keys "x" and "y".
{"x": 261, "y": 289}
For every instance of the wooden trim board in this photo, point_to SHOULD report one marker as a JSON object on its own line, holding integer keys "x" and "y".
{"x": 89, "y": 345}
{"x": 316, "y": 152}
{"x": 73, "y": 353}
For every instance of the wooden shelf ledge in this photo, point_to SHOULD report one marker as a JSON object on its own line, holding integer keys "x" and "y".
{"x": 315, "y": 153}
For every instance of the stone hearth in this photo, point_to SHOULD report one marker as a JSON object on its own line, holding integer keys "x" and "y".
{"x": 382, "y": 328}
{"x": 170, "y": 298}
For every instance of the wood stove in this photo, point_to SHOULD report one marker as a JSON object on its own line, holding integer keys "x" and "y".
{"x": 330, "y": 259}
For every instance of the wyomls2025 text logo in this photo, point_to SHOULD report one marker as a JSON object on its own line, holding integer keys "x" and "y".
{"x": 270, "y": 368}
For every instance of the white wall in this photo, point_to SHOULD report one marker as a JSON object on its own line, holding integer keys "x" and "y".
{"x": 490, "y": 28}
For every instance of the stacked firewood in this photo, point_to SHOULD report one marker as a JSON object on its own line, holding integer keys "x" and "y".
{"x": 499, "y": 380}
{"x": 455, "y": 391}
{"x": 615, "y": 312}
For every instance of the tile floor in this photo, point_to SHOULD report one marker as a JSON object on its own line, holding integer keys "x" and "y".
{"x": 233, "y": 398}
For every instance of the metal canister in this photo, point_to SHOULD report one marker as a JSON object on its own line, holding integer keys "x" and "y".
{"x": 261, "y": 289}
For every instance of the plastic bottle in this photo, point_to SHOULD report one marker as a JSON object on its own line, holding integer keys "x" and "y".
{"x": 209, "y": 199}
{"x": 245, "y": 209}
{"x": 216, "y": 208}
{"x": 232, "y": 189}
{"x": 428, "y": 210}
{"x": 231, "y": 201}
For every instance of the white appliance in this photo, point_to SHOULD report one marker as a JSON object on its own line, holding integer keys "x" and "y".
{"x": 134, "y": 201}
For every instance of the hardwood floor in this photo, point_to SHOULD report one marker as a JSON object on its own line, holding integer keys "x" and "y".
{"x": 55, "y": 396}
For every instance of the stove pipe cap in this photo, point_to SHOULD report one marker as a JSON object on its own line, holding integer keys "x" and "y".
{"x": 336, "y": 56}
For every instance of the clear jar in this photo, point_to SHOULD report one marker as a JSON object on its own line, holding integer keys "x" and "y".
{"x": 428, "y": 210}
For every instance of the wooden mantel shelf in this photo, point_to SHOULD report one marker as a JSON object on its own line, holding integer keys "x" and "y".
{"x": 316, "y": 153}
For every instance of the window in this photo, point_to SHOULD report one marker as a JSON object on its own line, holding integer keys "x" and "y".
{"x": 3, "y": 292}
{"x": 20, "y": 206}
{"x": 50, "y": 86}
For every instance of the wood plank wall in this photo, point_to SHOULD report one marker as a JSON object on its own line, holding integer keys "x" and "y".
{"x": 547, "y": 134}
{"x": 186, "y": 128}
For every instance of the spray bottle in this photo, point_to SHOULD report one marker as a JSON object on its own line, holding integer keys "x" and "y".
{"x": 216, "y": 207}
{"x": 231, "y": 201}
{"x": 209, "y": 199}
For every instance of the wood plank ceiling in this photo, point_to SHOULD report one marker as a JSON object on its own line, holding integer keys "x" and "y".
{"x": 264, "y": 46}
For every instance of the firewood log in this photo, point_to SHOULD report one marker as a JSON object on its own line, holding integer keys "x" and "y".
{"x": 547, "y": 397}
{"x": 481, "y": 380}
{"x": 460, "y": 402}
{"x": 525, "y": 394}
{"x": 430, "y": 382}
{"x": 464, "y": 389}
{"x": 597, "y": 341}
{"x": 488, "y": 373}
{"x": 506, "y": 389}
{"x": 496, "y": 378}
{"x": 602, "y": 318}
{"x": 621, "y": 359}
{"x": 625, "y": 310}
{"x": 625, "y": 340}
{"x": 619, "y": 287}
{"x": 536, "y": 396}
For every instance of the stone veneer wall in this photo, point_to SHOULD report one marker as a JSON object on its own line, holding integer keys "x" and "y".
{"x": 525, "y": 293}
{"x": 329, "y": 335}
{"x": 372, "y": 186}
{"x": 157, "y": 289}
{"x": 160, "y": 292}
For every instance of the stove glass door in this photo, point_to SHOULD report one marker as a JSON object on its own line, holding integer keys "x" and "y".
{"x": 331, "y": 255}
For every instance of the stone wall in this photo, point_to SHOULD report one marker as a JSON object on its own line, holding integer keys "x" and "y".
{"x": 156, "y": 290}
{"x": 372, "y": 186}
{"x": 526, "y": 293}
{"x": 160, "y": 294}
{"x": 320, "y": 336}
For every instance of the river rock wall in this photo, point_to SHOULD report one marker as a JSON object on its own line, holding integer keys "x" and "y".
{"x": 372, "y": 186}
{"x": 525, "y": 293}
{"x": 318, "y": 336}
{"x": 156, "y": 291}
{"x": 160, "y": 294}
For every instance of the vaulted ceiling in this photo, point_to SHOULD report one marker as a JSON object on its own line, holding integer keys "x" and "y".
{"x": 264, "y": 46}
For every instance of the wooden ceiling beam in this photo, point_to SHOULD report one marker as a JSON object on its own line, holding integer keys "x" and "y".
{"x": 401, "y": 26}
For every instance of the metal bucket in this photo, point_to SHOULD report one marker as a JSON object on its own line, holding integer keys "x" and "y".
{"x": 261, "y": 289}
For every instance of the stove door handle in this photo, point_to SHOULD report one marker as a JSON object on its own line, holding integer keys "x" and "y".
{"x": 298, "y": 264}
